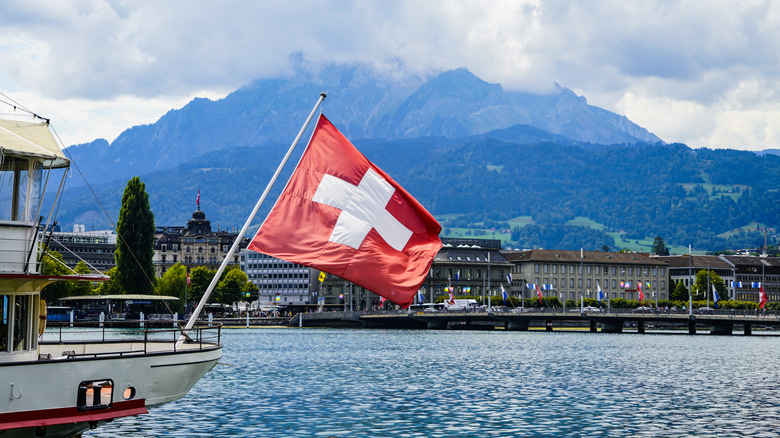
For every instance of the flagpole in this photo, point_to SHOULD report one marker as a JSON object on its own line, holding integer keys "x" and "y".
{"x": 249, "y": 220}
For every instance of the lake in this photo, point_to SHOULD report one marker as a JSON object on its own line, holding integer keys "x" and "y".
{"x": 290, "y": 382}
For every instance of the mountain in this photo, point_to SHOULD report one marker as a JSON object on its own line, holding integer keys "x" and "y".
{"x": 363, "y": 105}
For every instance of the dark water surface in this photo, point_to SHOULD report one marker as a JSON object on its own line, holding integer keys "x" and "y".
{"x": 369, "y": 383}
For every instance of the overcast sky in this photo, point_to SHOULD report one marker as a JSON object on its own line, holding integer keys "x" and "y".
{"x": 704, "y": 73}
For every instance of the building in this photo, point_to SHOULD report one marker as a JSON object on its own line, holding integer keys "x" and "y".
{"x": 749, "y": 271}
{"x": 684, "y": 268}
{"x": 96, "y": 248}
{"x": 194, "y": 245}
{"x": 472, "y": 267}
{"x": 575, "y": 274}
{"x": 276, "y": 278}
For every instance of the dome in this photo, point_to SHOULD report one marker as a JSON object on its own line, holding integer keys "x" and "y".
{"x": 199, "y": 215}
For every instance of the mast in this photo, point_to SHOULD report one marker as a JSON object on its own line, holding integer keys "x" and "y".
{"x": 251, "y": 217}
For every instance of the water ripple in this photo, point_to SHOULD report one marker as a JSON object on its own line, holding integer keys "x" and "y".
{"x": 374, "y": 383}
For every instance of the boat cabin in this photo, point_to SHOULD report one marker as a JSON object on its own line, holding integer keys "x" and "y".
{"x": 28, "y": 153}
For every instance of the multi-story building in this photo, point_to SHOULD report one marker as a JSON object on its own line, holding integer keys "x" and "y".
{"x": 194, "y": 245}
{"x": 472, "y": 267}
{"x": 276, "y": 278}
{"x": 574, "y": 274}
{"x": 96, "y": 248}
{"x": 684, "y": 268}
{"x": 749, "y": 271}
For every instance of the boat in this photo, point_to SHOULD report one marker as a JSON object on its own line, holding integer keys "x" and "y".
{"x": 67, "y": 385}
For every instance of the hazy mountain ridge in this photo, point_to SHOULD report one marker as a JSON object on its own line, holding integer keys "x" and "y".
{"x": 454, "y": 104}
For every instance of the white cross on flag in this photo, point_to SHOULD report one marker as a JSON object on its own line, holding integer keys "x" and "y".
{"x": 341, "y": 214}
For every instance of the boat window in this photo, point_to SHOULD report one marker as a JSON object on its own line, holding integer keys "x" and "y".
{"x": 21, "y": 322}
{"x": 4, "y": 311}
{"x": 20, "y": 189}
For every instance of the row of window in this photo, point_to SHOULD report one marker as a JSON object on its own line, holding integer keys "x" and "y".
{"x": 604, "y": 284}
{"x": 590, "y": 269}
{"x": 175, "y": 248}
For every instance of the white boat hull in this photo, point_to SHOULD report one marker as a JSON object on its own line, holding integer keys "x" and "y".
{"x": 42, "y": 397}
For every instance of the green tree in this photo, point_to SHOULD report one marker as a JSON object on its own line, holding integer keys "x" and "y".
{"x": 250, "y": 291}
{"x": 110, "y": 286}
{"x": 135, "y": 240}
{"x": 200, "y": 277}
{"x": 680, "y": 292}
{"x": 701, "y": 286}
{"x": 659, "y": 247}
{"x": 230, "y": 286}
{"x": 174, "y": 284}
{"x": 51, "y": 264}
{"x": 81, "y": 287}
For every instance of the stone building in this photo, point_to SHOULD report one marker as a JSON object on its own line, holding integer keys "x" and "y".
{"x": 684, "y": 268}
{"x": 575, "y": 274}
{"x": 193, "y": 245}
{"x": 472, "y": 267}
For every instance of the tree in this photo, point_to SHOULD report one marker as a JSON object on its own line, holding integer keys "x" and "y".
{"x": 250, "y": 291}
{"x": 51, "y": 264}
{"x": 230, "y": 286}
{"x": 680, "y": 292}
{"x": 703, "y": 285}
{"x": 81, "y": 287}
{"x": 111, "y": 286}
{"x": 200, "y": 278}
{"x": 135, "y": 240}
{"x": 659, "y": 247}
{"x": 174, "y": 284}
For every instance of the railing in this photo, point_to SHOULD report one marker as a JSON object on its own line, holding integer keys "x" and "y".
{"x": 204, "y": 335}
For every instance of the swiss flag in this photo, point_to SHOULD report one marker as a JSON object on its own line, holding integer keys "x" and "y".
{"x": 641, "y": 294}
{"x": 341, "y": 214}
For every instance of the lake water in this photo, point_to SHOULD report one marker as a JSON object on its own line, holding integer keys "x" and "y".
{"x": 397, "y": 383}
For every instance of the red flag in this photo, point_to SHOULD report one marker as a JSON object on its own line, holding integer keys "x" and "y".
{"x": 762, "y": 298}
{"x": 197, "y": 201}
{"x": 452, "y": 297}
{"x": 341, "y": 214}
{"x": 188, "y": 279}
{"x": 538, "y": 293}
{"x": 641, "y": 294}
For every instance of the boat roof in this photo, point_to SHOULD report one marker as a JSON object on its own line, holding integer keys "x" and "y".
{"x": 121, "y": 297}
{"x": 30, "y": 139}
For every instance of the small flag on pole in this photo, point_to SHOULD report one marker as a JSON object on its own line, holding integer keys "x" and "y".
{"x": 539, "y": 294}
{"x": 715, "y": 297}
{"x": 641, "y": 294}
{"x": 420, "y": 297}
{"x": 762, "y": 298}
{"x": 509, "y": 278}
{"x": 503, "y": 293}
{"x": 457, "y": 275}
{"x": 452, "y": 297}
{"x": 599, "y": 293}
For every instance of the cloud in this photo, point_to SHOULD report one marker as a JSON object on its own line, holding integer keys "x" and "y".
{"x": 696, "y": 72}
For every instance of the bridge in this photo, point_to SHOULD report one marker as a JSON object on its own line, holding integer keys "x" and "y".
{"x": 608, "y": 321}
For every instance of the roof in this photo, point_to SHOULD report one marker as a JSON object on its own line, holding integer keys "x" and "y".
{"x": 599, "y": 257}
{"x": 121, "y": 297}
{"x": 30, "y": 139}
{"x": 469, "y": 254}
{"x": 696, "y": 261}
{"x": 753, "y": 260}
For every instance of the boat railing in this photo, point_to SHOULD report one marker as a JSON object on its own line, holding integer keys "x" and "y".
{"x": 141, "y": 340}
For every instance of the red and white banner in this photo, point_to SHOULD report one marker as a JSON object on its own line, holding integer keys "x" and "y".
{"x": 341, "y": 214}
{"x": 762, "y": 298}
